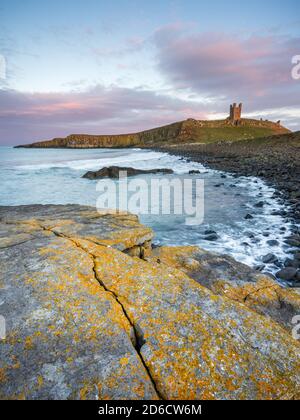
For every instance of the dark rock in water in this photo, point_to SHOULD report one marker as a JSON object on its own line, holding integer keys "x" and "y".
{"x": 260, "y": 267}
{"x": 113, "y": 172}
{"x": 278, "y": 264}
{"x": 278, "y": 213}
{"x": 223, "y": 176}
{"x": 288, "y": 273}
{"x": 269, "y": 258}
{"x": 288, "y": 262}
{"x": 273, "y": 242}
{"x": 293, "y": 242}
{"x": 210, "y": 232}
{"x": 194, "y": 172}
{"x": 292, "y": 263}
{"x": 212, "y": 237}
{"x": 219, "y": 185}
{"x": 248, "y": 217}
{"x": 260, "y": 204}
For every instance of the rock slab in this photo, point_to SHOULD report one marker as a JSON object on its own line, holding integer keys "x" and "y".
{"x": 87, "y": 318}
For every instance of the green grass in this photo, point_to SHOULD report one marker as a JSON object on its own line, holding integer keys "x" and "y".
{"x": 211, "y": 135}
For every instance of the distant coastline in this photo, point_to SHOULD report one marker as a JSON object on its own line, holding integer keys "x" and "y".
{"x": 187, "y": 131}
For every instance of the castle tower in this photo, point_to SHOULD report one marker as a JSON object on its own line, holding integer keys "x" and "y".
{"x": 235, "y": 113}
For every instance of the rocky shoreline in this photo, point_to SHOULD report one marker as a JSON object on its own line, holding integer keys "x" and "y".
{"x": 94, "y": 312}
{"x": 274, "y": 159}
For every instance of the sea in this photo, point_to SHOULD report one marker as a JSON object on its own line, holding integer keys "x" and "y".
{"x": 54, "y": 176}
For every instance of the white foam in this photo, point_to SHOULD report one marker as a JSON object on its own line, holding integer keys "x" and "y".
{"x": 136, "y": 158}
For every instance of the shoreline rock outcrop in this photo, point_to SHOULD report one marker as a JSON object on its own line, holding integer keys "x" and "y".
{"x": 114, "y": 172}
{"x": 274, "y": 159}
{"x": 92, "y": 312}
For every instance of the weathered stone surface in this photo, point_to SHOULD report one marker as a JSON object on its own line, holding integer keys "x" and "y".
{"x": 85, "y": 320}
{"x": 114, "y": 172}
{"x": 198, "y": 344}
{"x": 67, "y": 337}
{"x": 225, "y": 276}
{"x": 120, "y": 230}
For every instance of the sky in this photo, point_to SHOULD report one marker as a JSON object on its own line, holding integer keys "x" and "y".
{"x": 100, "y": 67}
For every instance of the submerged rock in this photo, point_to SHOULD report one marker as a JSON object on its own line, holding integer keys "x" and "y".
{"x": 86, "y": 320}
{"x": 248, "y": 216}
{"x": 114, "y": 172}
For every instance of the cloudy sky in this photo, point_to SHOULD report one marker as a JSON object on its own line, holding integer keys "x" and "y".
{"x": 95, "y": 66}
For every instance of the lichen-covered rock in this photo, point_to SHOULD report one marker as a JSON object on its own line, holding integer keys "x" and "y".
{"x": 87, "y": 320}
{"x": 117, "y": 229}
{"x": 225, "y": 276}
{"x": 67, "y": 337}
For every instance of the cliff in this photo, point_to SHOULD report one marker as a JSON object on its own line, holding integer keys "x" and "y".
{"x": 180, "y": 132}
{"x": 92, "y": 312}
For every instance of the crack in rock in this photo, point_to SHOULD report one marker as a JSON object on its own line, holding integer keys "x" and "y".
{"x": 138, "y": 340}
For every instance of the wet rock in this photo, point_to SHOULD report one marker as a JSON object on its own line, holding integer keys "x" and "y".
{"x": 114, "y": 172}
{"x": 248, "y": 216}
{"x": 288, "y": 273}
{"x": 273, "y": 242}
{"x": 193, "y": 172}
{"x": 259, "y": 205}
{"x": 259, "y": 267}
{"x": 210, "y": 232}
{"x": 269, "y": 258}
{"x": 293, "y": 242}
{"x": 292, "y": 263}
{"x": 211, "y": 237}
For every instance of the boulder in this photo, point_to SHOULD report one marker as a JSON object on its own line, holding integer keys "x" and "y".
{"x": 269, "y": 259}
{"x": 114, "y": 172}
{"x": 288, "y": 273}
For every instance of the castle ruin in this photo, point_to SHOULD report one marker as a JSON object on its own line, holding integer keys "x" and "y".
{"x": 235, "y": 113}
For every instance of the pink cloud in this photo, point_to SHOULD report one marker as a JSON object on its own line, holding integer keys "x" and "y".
{"x": 28, "y": 117}
{"x": 227, "y": 65}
